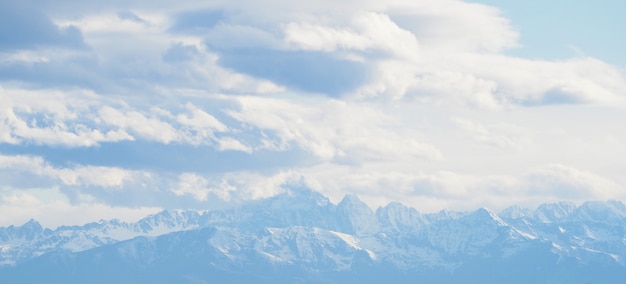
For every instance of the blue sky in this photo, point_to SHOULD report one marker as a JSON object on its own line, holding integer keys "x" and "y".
{"x": 561, "y": 29}
{"x": 125, "y": 108}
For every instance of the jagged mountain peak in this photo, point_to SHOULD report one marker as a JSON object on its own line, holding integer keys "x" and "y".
{"x": 32, "y": 225}
{"x": 515, "y": 212}
{"x": 484, "y": 212}
{"x": 397, "y": 217}
{"x": 601, "y": 211}
{"x": 474, "y": 233}
{"x": 356, "y": 217}
{"x": 396, "y": 208}
{"x": 444, "y": 214}
{"x": 169, "y": 216}
{"x": 169, "y": 213}
{"x": 552, "y": 212}
{"x": 26, "y": 232}
{"x": 296, "y": 206}
{"x": 294, "y": 230}
{"x": 611, "y": 205}
{"x": 393, "y": 206}
{"x": 168, "y": 220}
{"x": 302, "y": 192}
{"x": 309, "y": 245}
{"x": 352, "y": 201}
{"x": 297, "y": 198}
{"x": 483, "y": 216}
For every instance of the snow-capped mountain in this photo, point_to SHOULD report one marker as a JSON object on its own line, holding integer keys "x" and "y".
{"x": 31, "y": 240}
{"x": 301, "y": 237}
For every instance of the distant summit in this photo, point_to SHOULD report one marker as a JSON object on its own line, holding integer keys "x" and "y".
{"x": 299, "y": 236}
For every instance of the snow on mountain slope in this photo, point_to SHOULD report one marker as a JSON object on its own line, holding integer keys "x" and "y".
{"x": 296, "y": 207}
{"x": 399, "y": 218}
{"x": 609, "y": 212}
{"x": 29, "y": 231}
{"x": 302, "y": 229}
{"x": 355, "y": 217}
{"x": 554, "y": 212}
{"x": 31, "y": 240}
{"x": 316, "y": 247}
{"x": 471, "y": 234}
{"x": 515, "y": 212}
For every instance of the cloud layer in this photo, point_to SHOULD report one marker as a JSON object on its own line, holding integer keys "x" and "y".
{"x": 132, "y": 106}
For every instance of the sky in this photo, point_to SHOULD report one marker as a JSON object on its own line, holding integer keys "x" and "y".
{"x": 119, "y": 109}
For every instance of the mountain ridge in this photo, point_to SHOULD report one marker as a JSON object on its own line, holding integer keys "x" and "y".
{"x": 301, "y": 233}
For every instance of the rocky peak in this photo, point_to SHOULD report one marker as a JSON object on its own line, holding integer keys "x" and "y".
{"x": 553, "y": 212}
{"x": 483, "y": 216}
{"x": 28, "y": 231}
{"x": 515, "y": 212}
{"x": 396, "y": 216}
{"x": 598, "y": 211}
{"x": 355, "y": 217}
{"x": 297, "y": 198}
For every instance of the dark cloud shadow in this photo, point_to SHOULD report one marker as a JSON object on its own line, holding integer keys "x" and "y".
{"x": 554, "y": 97}
{"x": 86, "y": 70}
{"x": 130, "y": 16}
{"x": 166, "y": 162}
{"x": 316, "y": 72}
{"x": 78, "y": 71}
{"x": 151, "y": 194}
{"x": 196, "y": 21}
{"x": 179, "y": 52}
{"x": 23, "y": 26}
{"x": 151, "y": 156}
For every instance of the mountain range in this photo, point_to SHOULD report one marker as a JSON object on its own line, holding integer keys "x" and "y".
{"x": 301, "y": 237}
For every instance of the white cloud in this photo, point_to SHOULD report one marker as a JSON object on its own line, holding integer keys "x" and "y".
{"x": 231, "y": 144}
{"x": 113, "y": 22}
{"x": 235, "y": 186}
{"x": 251, "y": 185}
{"x": 107, "y": 177}
{"x": 334, "y": 130}
{"x": 440, "y": 116}
{"x": 367, "y": 32}
{"x": 57, "y": 134}
{"x": 449, "y": 50}
{"x": 152, "y": 128}
{"x": 193, "y": 185}
{"x": 201, "y": 125}
{"x": 433, "y": 191}
{"x": 453, "y": 87}
{"x": 315, "y": 37}
{"x": 93, "y": 176}
{"x": 24, "y": 56}
{"x": 491, "y": 81}
{"x": 201, "y": 120}
{"x": 387, "y": 36}
{"x": 84, "y": 119}
{"x": 563, "y": 182}
{"x": 452, "y": 26}
{"x": 18, "y": 207}
{"x": 231, "y": 35}
{"x": 500, "y": 135}
{"x": 577, "y": 80}
{"x": 51, "y": 118}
